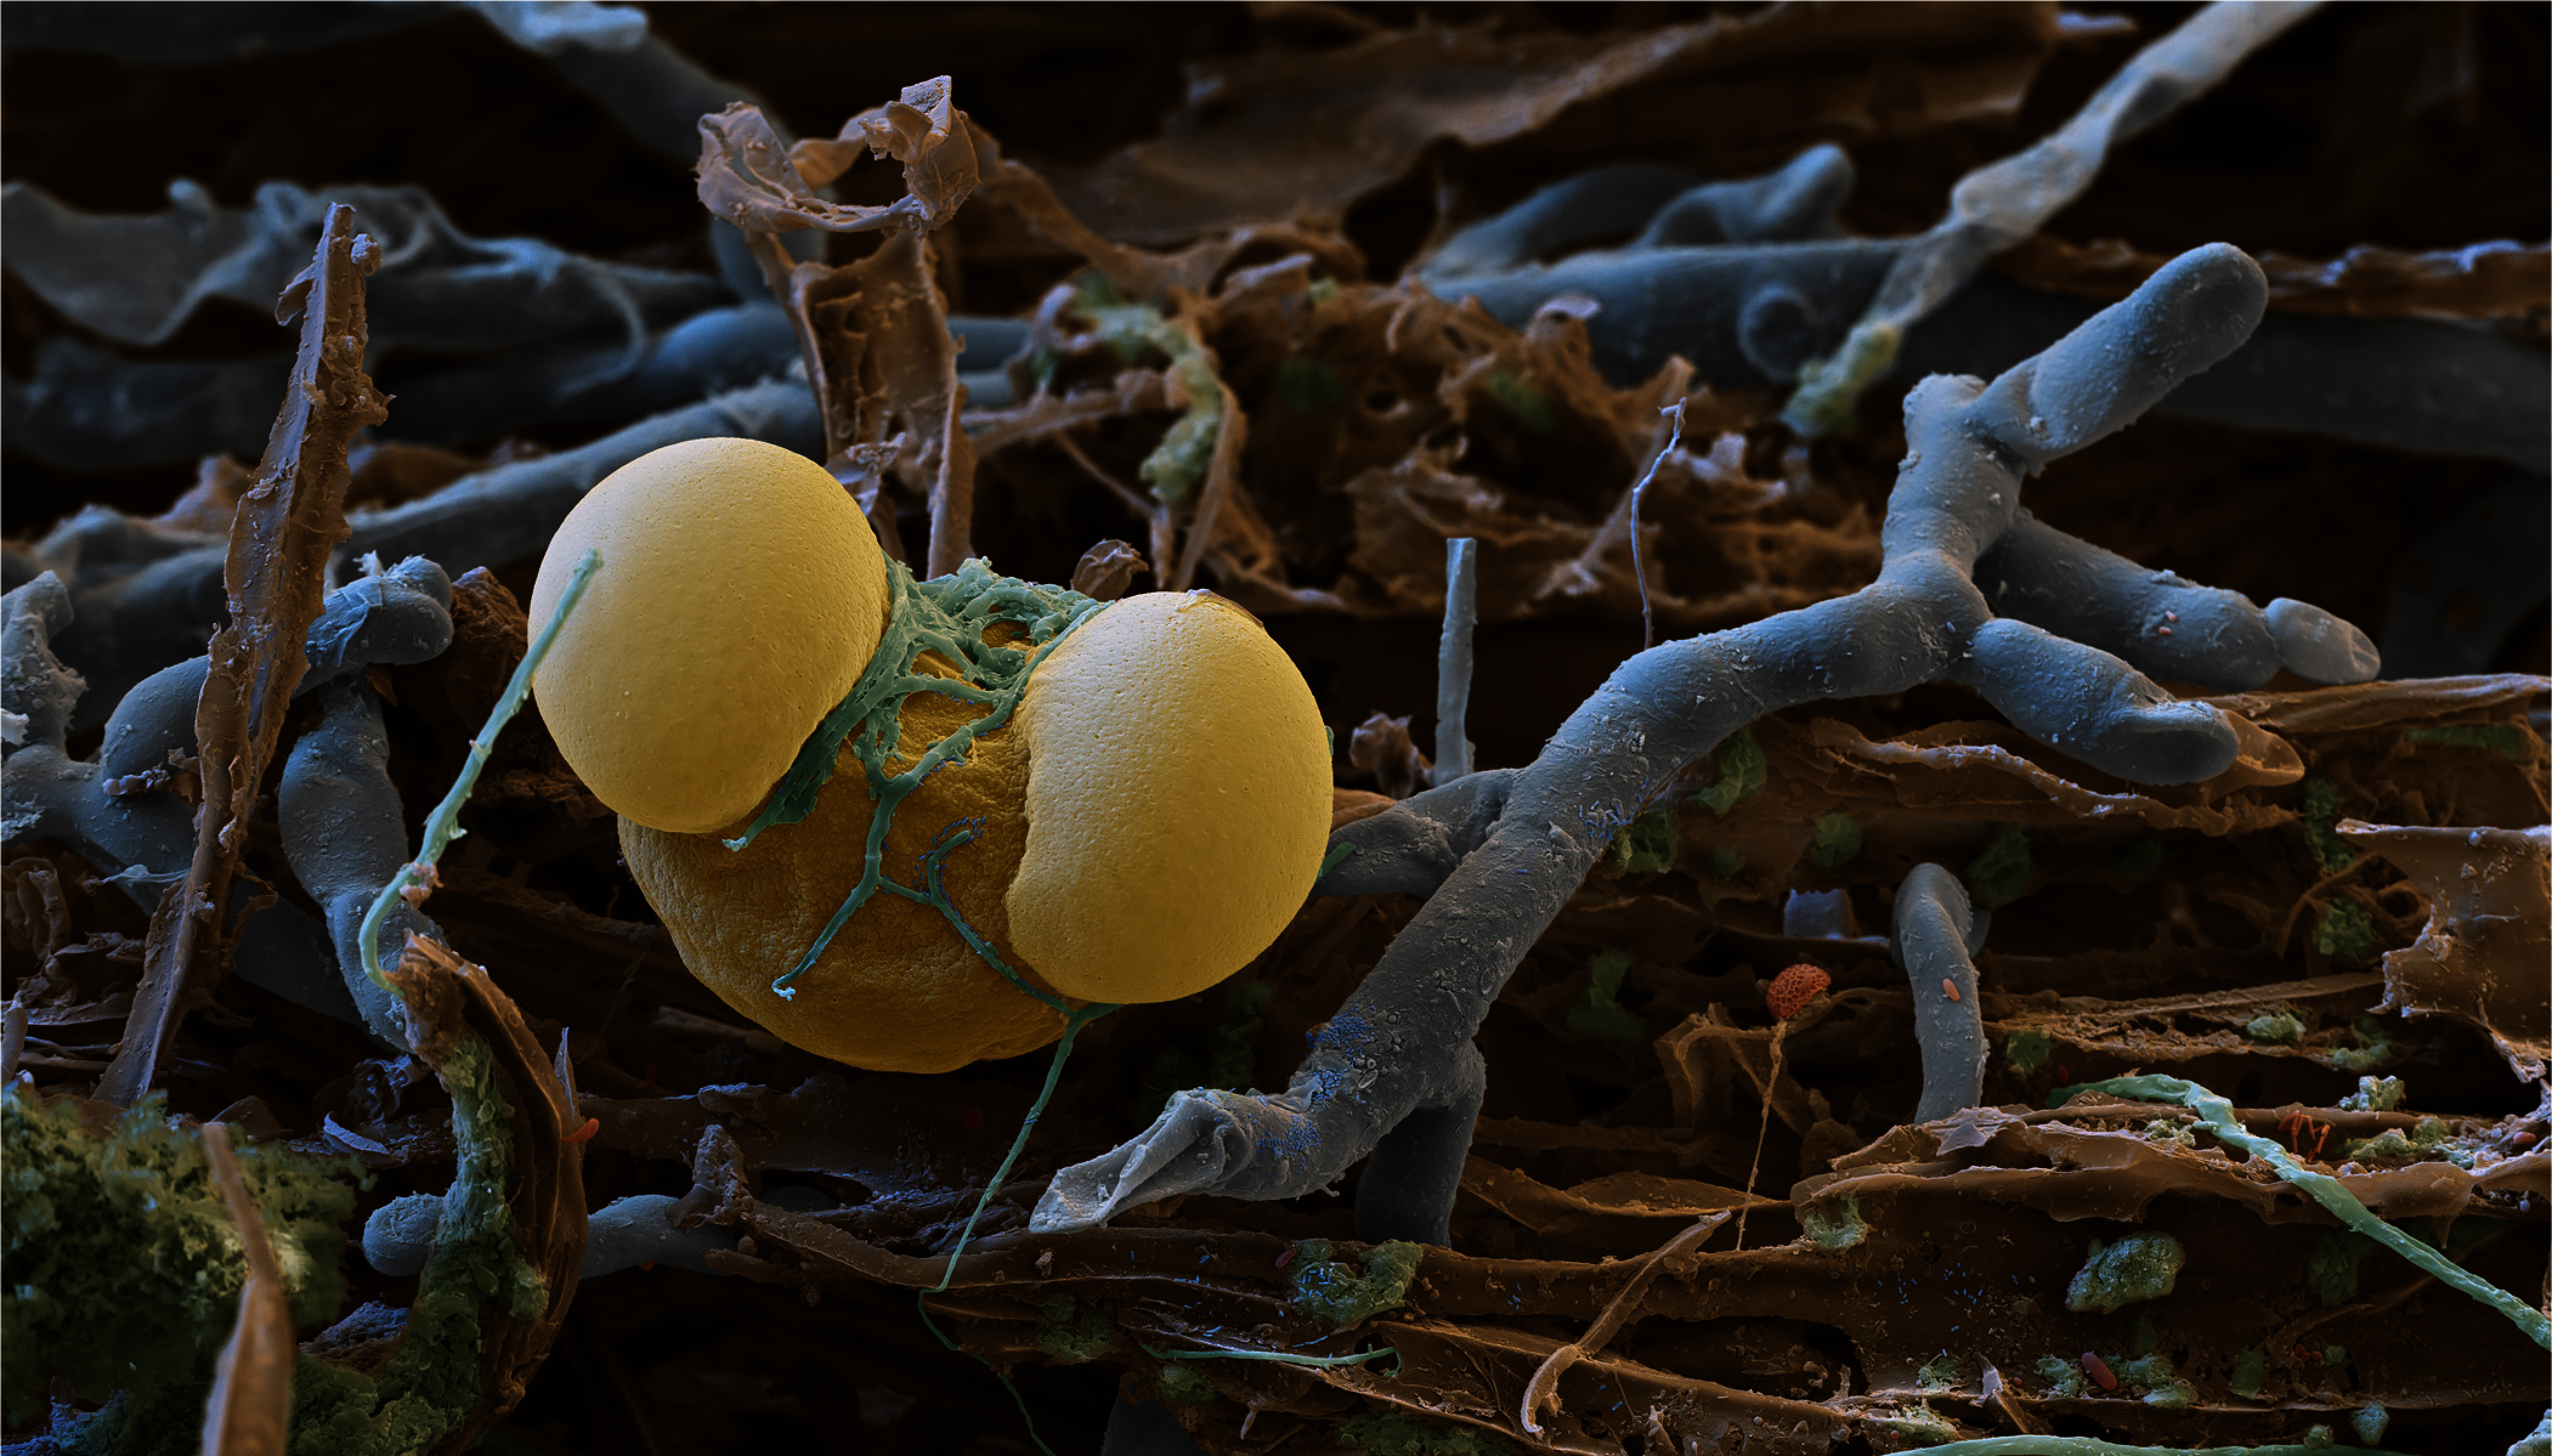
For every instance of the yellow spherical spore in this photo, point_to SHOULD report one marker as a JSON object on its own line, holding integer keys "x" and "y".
{"x": 741, "y": 594}
{"x": 899, "y": 990}
{"x": 1178, "y": 800}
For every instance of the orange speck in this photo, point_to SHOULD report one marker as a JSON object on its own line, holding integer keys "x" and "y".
{"x": 1948, "y": 987}
{"x": 586, "y": 1133}
{"x": 2098, "y": 1370}
{"x": 1793, "y": 990}
{"x": 650, "y": 1263}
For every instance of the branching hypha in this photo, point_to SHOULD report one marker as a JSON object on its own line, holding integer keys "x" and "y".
{"x": 2057, "y": 634}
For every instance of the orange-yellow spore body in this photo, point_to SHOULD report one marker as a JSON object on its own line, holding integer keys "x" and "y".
{"x": 899, "y": 990}
{"x": 1178, "y": 800}
{"x": 741, "y": 594}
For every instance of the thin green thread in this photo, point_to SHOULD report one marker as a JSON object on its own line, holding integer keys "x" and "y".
{"x": 2321, "y": 1187}
{"x": 1281, "y": 1357}
{"x": 947, "y": 615}
{"x": 444, "y": 825}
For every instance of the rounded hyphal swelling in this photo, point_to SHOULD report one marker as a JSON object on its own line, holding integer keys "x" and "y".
{"x": 740, "y": 595}
{"x": 1178, "y": 800}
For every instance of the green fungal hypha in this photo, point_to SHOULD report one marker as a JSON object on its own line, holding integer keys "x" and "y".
{"x": 1741, "y": 771}
{"x": 2280, "y": 1028}
{"x": 2046, "y": 629}
{"x": 1835, "y": 842}
{"x": 2345, "y": 933}
{"x": 1072, "y": 1331}
{"x": 2000, "y": 873}
{"x": 124, "y": 1265}
{"x": 949, "y": 616}
{"x": 1601, "y": 1012}
{"x": 1651, "y": 845}
{"x": 1835, "y": 1229}
{"x": 2139, "y": 1266}
{"x": 1336, "y": 1291}
{"x": 2321, "y": 820}
{"x": 2029, "y": 1052}
{"x": 2333, "y": 1195}
{"x": 1136, "y": 330}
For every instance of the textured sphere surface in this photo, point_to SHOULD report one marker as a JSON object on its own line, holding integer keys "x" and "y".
{"x": 1178, "y": 800}
{"x": 741, "y": 594}
{"x": 897, "y": 989}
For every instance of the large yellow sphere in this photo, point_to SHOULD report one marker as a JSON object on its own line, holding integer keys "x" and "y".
{"x": 1178, "y": 800}
{"x": 741, "y": 594}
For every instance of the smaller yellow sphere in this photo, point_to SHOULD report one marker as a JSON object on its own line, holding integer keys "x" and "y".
{"x": 1178, "y": 800}
{"x": 741, "y": 594}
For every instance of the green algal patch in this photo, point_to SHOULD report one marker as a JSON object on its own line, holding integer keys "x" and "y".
{"x": 2281, "y": 1027}
{"x": 2029, "y": 1052}
{"x": 2250, "y": 1372}
{"x": 2141, "y": 860}
{"x": 1306, "y": 385}
{"x": 2392, "y": 1147}
{"x": 2150, "y": 1378}
{"x": 2375, "y": 1095}
{"x": 1184, "y": 1386}
{"x": 2503, "y": 739}
{"x": 2330, "y": 1270}
{"x": 2370, "y": 1422}
{"x": 2139, "y": 1266}
{"x": 1072, "y": 1331}
{"x": 1651, "y": 845}
{"x": 2000, "y": 874}
{"x": 1394, "y": 1434}
{"x": 1743, "y": 769}
{"x": 432, "y": 1381}
{"x": 1922, "y": 1425}
{"x": 2345, "y": 933}
{"x": 124, "y": 1265}
{"x": 2321, "y": 818}
{"x": 1530, "y": 407}
{"x": 2537, "y": 1444}
{"x": 1836, "y": 1228}
{"x": 1941, "y": 1373}
{"x": 2065, "y": 1378}
{"x": 2318, "y": 1438}
{"x": 1830, "y": 388}
{"x": 1726, "y": 862}
{"x": 1835, "y": 842}
{"x": 1321, "y": 289}
{"x": 1136, "y": 332}
{"x": 1600, "y": 1013}
{"x": 1337, "y": 1291}
{"x": 2374, "y": 1048}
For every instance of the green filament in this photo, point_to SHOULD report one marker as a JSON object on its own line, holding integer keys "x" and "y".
{"x": 947, "y": 615}
{"x": 444, "y": 825}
